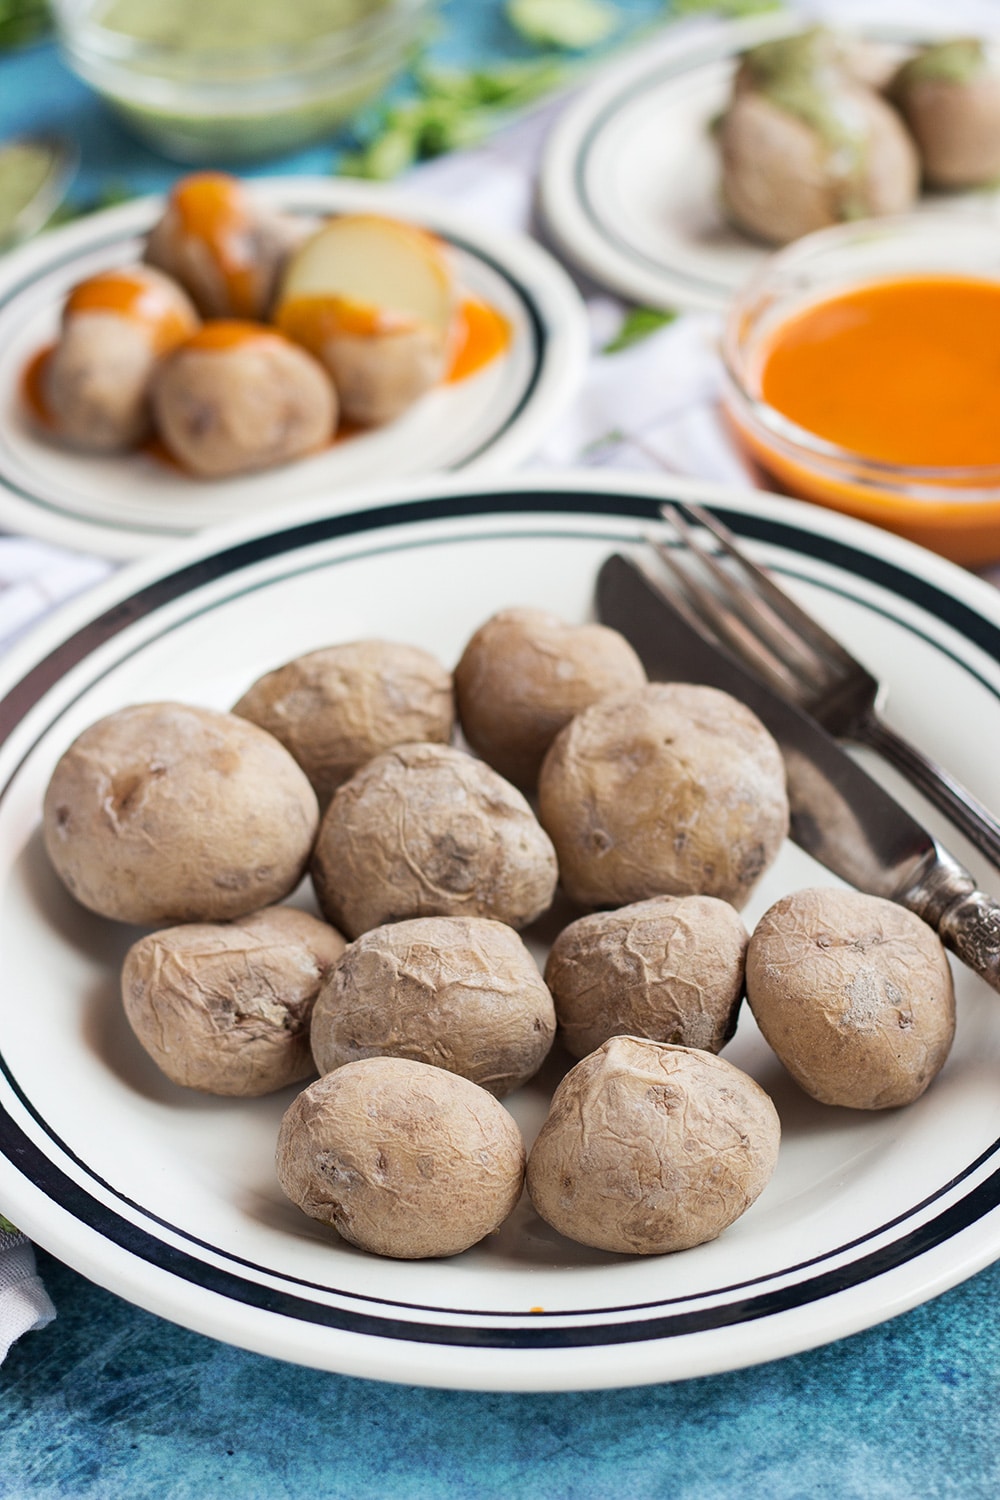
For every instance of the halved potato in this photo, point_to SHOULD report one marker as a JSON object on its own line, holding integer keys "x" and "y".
{"x": 373, "y": 298}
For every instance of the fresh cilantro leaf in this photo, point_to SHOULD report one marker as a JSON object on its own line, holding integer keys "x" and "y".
{"x": 638, "y": 324}
{"x": 730, "y": 9}
{"x": 571, "y": 24}
{"x": 6, "y": 1227}
{"x": 22, "y": 21}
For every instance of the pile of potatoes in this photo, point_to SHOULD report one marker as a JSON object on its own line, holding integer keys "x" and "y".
{"x": 820, "y": 129}
{"x": 246, "y": 338}
{"x": 435, "y": 813}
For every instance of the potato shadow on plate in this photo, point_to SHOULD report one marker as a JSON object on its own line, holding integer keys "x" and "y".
{"x": 97, "y": 938}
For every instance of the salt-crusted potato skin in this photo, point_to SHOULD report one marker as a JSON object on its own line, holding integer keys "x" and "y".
{"x": 524, "y": 674}
{"x": 238, "y": 407}
{"x": 779, "y": 181}
{"x": 854, "y": 994}
{"x": 461, "y": 993}
{"x": 956, "y": 125}
{"x": 226, "y": 1007}
{"x": 670, "y": 969}
{"x": 95, "y": 382}
{"x": 401, "y": 1158}
{"x": 650, "y": 1148}
{"x": 337, "y": 707}
{"x": 674, "y": 789}
{"x": 379, "y": 378}
{"x": 164, "y": 812}
{"x": 424, "y": 831}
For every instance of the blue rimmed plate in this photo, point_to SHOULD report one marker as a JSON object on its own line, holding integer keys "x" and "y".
{"x": 169, "y": 1198}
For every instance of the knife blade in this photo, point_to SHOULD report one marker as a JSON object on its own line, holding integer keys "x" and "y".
{"x": 840, "y": 814}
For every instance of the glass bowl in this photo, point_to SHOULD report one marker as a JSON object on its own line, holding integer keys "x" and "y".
{"x": 212, "y": 80}
{"x": 953, "y": 510}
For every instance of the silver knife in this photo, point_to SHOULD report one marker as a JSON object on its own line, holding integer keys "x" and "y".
{"x": 840, "y": 815}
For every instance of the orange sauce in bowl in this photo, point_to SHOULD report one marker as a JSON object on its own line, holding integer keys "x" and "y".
{"x": 904, "y": 371}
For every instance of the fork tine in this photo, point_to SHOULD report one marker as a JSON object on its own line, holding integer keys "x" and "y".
{"x": 792, "y": 625}
{"x": 727, "y": 626}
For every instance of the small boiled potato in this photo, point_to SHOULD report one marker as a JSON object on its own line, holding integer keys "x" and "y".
{"x": 949, "y": 96}
{"x": 401, "y": 1158}
{"x": 523, "y": 676}
{"x": 854, "y": 994}
{"x": 237, "y": 397}
{"x": 95, "y": 382}
{"x": 336, "y": 708}
{"x": 425, "y": 831}
{"x": 227, "y": 250}
{"x": 650, "y": 1148}
{"x": 373, "y": 299}
{"x": 670, "y": 969}
{"x": 674, "y": 789}
{"x": 163, "y": 812}
{"x": 462, "y": 993}
{"x": 226, "y": 1008}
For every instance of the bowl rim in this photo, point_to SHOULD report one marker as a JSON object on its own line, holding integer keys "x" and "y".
{"x": 83, "y": 36}
{"x": 957, "y": 483}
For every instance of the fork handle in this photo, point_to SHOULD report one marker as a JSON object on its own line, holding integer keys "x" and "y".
{"x": 949, "y": 796}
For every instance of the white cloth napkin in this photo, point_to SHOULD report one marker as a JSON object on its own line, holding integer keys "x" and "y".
{"x": 649, "y": 407}
{"x": 24, "y": 1302}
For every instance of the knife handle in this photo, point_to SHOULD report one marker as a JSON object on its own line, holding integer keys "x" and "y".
{"x": 970, "y": 927}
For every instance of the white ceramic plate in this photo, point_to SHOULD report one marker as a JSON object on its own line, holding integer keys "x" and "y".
{"x": 123, "y": 506}
{"x": 629, "y": 182}
{"x": 170, "y": 1199}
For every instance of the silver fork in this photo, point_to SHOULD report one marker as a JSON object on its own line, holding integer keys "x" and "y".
{"x": 741, "y": 606}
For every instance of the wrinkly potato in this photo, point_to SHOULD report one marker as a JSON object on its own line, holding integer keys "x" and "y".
{"x": 94, "y": 384}
{"x": 336, "y": 708}
{"x": 650, "y": 1148}
{"x": 462, "y": 993}
{"x": 674, "y": 789}
{"x": 424, "y": 831}
{"x": 236, "y": 398}
{"x": 163, "y": 812}
{"x": 805, "y": 145}
{"x": 854, "y": 994}
{"x": 226, "y": 250}
{"x": 524, "y": 674}
{"x": 949, "y": 96}
{"x": 670, "y": 969}
{"x": 401, "y": 1158}
{"x": 226, "y": 1008}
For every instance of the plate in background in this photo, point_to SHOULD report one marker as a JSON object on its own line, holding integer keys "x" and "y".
{"x": 629, "y": 181}
{"x": 125, "y": 505}
{"x": 169, "y": 1198}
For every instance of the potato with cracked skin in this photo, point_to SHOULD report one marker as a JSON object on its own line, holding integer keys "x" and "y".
{"x": 674, "y": 789}
{"x": 854, "y": 994}
{"x": 949, "y": 96}
{"x": 401, "y": 1158}
{"x": 93, "y": 386}
{"x": 225, "y": 249}
{"x": 650, "y": 1148}
{"x": 336, "y": 708}
{"x": 461, "y": 993}
{"x": 670, "y": 968}
{"x": 226, "y": 1007}
{"x": 524, "y": 674}
{"x": 804, "y": 145}
{"x": 164, "y": 812}
{"x": 426, "y": 830}
{"x": 237, "y": 397}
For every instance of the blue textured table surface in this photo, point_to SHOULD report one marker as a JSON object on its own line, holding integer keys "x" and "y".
{"x": 111, "y": 1401}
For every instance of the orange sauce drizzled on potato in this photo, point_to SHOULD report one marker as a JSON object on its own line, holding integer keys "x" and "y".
{"x": 482, "y": 335}
{"x": 32, "y": 389}
{"x": 138, "y": 300}
{"x": 212, "y": 207}
{"x": 222, "y": 334}
{"x": 904, "y": 371}
{"x": 311, "y": 320}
